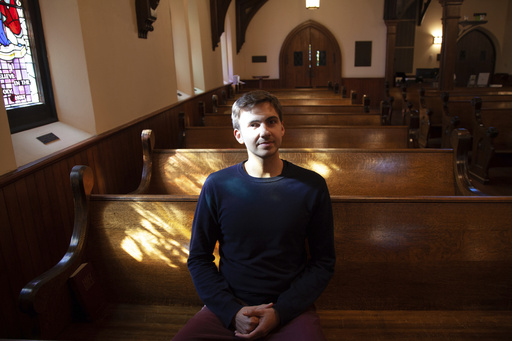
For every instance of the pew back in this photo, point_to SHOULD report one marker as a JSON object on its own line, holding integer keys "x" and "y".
{"x": 305, "y": 93}
{"x": 378, "y": 137}
{"x": 458, "y": 111}
{"x": 393, "y": 253}
{"x": 382, "y": 172}
{"x": 347, "y": 171}
{"x": 297, "y": 119}
{"x": 501, "y": 119}
{"x": 307, "y": 107}
{"x": 135, "y": 240}
{"x": 492, "y": 137}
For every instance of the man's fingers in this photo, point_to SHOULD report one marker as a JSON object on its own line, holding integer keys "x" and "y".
{"x": 256, "y": 310}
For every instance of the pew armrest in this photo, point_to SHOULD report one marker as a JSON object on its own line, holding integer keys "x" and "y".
{"x": 48, "y": 293}
{"x": 148, "y": 143}
{"x": 461, "y": 142}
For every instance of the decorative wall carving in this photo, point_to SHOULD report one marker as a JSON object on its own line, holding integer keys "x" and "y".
{"x": 218, "y": 10}
{"x": 146, "y": 16}
{"x": 245, "y": 11}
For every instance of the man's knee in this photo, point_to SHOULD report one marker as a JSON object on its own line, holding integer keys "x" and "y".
{"x": 204, "y": 325}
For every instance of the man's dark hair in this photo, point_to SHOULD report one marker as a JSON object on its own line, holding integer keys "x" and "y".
{"x": 248, "y": 100}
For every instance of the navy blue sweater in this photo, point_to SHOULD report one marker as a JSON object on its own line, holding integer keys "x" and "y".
{"x": 262, "y": 225}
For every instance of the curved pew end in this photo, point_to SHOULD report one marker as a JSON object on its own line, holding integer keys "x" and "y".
{"x": 148, "y": 144}
{"x": 33, "y": 298}
{"x": 461, "y": 142}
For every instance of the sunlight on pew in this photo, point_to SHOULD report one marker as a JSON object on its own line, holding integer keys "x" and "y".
{"x": 155, "y": 238}
{"x": 321, "y": 168}
{"x": 189, "y": 184}
{"x": 162, "y": 234}
{"x": 196, "y": 172}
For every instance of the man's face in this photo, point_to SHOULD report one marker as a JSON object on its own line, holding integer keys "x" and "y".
{"x": 260, "y": 130}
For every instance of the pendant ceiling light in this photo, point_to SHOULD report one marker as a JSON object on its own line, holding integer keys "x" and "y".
{"x": 312, "y": 4}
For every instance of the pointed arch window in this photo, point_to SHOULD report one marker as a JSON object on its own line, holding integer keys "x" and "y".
{"x": 24, "y": 73}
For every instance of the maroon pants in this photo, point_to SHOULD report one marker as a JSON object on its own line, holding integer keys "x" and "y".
{"x": 205, "y": 325}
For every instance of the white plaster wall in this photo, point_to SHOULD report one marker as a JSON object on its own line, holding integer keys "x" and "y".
{"x": 181, "y": 43}
{"x": 129, "y": 77}
{"x": 207, "y": 63}
{"x": 66, "y": 57}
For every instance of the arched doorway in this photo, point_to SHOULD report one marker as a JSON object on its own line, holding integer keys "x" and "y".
{"x": 310, "y": 57}
{"x": 475, "y": 54}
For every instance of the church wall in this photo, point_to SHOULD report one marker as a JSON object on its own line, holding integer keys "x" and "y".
{"x": 66, "y": 56}
{"x": 212, "y": 60}
{"x": 349, "y": 21}
{"x": 129, "y": 77}
{"x": 182, "y": 51}
{"x": 498, "y": 28}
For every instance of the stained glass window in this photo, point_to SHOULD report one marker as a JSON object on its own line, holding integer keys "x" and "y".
{"x": 17, "y": 74}
{"x": 24, "y": 73}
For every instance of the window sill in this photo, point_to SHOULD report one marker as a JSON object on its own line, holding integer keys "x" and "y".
{"x": 27, "y": 148}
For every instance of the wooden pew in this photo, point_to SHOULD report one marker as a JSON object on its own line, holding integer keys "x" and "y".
{"x": 456, "y": 114}
{"x": 431, "y": 114}
{"x": 378, "y": 137}
{"x": 309, "y": 108}
{"x": 298, "y": 119}
{"x": 458, "y": 111}
{"x": 308, "y": 105}
{"x": 430, "y": 119}
{"x": 386, "y": 172}
{"x": 304, "y": 93}
{"x": 492, "y": 137}
{"x": 408, "y": 268}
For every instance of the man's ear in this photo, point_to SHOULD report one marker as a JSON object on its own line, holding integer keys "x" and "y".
{"x": 238, "y": 136}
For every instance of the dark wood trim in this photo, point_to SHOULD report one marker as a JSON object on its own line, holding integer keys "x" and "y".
{"x": 146, "y": 16}
{"x": 245, "y": 11}
{"x": 218, "y": 10}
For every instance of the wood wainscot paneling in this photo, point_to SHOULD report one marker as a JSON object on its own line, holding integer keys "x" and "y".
{"x": 36, "y": 204}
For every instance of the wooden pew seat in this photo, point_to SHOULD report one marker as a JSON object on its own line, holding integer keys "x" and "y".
{"x": 382, "y": 172}
{"x": 408, "y": 268}
{"x": 371, "y": 137}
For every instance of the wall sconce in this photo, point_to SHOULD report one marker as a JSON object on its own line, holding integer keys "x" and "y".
{"x": 312, "y": 4}
{"x": 438, "y": 40}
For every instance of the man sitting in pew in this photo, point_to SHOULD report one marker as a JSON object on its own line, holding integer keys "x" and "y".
{"x": 263, "y": 212}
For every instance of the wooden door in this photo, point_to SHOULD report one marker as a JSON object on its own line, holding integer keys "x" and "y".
{"x": 475, "y": 55}
{"x": 298, "y": 73}
{"x": 310, "y": 57}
